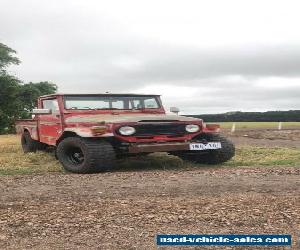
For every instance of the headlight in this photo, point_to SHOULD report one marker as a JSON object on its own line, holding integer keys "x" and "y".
{"x": 126, "y": 130}
{"x": 192, "y": 128}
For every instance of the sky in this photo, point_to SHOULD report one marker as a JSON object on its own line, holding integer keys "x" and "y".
{"x": 201, "y": 56}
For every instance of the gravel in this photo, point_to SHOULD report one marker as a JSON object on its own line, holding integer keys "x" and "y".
{"x": 126, "y": 210}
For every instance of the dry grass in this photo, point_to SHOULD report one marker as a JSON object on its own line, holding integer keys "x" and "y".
{"x": 262, "y": 125}
{"x": 263, "y": 156}
{"x": 14, "y": 161}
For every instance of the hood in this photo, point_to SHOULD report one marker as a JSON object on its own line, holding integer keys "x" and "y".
{"x": 119, "y": 118}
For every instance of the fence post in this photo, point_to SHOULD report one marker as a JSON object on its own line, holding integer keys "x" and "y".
{"x": 279, "y": 125}
{"x": 233, "y": 128}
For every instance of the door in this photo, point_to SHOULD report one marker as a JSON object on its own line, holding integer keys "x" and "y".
{"x": 50, "y": 126}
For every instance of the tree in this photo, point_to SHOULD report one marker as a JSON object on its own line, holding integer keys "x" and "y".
{"x": 6, "y": 57}
{"x": 29, "y": 93}
{"x": 9, "y": 87}
{"x": 9, "y": 103}
{"x": 17, "y": 99}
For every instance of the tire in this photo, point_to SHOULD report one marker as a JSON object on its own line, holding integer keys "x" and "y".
{"x": 30, "y": 145}
{"x": 79, "y": 155}
{"x": 218, "y": 156}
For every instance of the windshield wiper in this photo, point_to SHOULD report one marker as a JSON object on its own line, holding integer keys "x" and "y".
{"x": 81, "y": 108}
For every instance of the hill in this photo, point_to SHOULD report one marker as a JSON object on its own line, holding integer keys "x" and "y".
{"x": 238, "y": 116}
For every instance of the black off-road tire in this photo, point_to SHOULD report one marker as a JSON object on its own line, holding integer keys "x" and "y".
{"x": 80, "y": 155}
{"x": 30, "y": 145}
{"x": 217, "y": 156}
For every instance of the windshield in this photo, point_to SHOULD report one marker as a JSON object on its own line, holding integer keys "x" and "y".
{"x": 111, "y": 102}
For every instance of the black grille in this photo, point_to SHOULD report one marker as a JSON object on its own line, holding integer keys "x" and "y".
{"x": 160, "y": 129}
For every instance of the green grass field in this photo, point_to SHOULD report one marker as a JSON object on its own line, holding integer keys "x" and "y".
{"x": 257, "y": 125}
{"x": 14, "y": 161}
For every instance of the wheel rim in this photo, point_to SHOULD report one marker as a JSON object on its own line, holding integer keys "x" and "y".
{"x": 75, "y": 155}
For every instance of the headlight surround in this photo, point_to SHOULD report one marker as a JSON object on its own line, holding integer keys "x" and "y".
{"x": 192, "y": 128}
{"x": 127, "y": 130}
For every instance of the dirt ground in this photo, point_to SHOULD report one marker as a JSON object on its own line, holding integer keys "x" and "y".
{"x": 265, "y": 137}
{"x": 126, "y": 210}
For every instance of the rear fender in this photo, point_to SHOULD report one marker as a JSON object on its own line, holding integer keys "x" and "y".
{"x": 31, "y": 130}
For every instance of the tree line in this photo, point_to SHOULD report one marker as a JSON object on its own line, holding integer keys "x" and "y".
{"x": 269, "y": 116}
{"x": 17, "y": 98}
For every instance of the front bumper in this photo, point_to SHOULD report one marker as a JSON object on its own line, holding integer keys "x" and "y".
{"x": 158, "y": 147}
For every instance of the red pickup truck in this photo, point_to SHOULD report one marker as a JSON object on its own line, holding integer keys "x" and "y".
{"x": 90, "y": 131}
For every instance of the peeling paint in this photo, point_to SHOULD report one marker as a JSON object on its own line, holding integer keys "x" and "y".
{"x": 127, "y": 118}
{"x": 86, "y": 132}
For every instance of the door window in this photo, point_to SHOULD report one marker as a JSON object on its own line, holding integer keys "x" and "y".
{"x": 51, "y": 104}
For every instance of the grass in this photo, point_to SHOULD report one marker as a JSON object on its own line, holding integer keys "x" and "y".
{"x": 256, "y": 125}
{"x": 263, "y": 156}
{"x": 13, "y": 161}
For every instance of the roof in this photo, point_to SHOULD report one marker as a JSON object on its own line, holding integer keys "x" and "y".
{"x": 100, "y": 94}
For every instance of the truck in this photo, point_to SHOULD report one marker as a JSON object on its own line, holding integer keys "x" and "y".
{"x": 92, "y": 132}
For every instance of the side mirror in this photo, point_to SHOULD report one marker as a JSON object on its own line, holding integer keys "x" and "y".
{"x": 174, "y": 110}
{"x": 41, "y": 111}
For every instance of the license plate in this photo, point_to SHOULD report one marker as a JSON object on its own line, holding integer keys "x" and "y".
{"x": 202, "y": 146}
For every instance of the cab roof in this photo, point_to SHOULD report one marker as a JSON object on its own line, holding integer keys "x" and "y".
{"x": 101, "y": 94}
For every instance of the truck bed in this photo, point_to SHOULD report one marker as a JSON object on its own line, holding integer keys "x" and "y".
{"x": 27, "y": 124}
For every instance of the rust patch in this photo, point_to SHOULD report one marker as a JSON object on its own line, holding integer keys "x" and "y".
{"x": 100, "y": 118}
{"x": 86, "y": 132}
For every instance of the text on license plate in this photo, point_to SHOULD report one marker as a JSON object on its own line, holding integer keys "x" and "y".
{"x": 202, "y": 146}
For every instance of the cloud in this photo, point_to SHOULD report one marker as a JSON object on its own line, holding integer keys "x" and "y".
{"x": 233, "y": 93}
{"x": 206, "y": 55}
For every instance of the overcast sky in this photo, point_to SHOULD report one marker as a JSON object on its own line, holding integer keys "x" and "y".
{"x": 202, "y": 56}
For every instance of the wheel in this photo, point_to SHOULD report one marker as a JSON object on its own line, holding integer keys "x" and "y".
{"x": 79, "y": 155}
{"x": 217, "y": 156}
{"x": 30, "y": 145}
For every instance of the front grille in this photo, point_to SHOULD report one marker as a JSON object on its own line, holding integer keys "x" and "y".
{"x": 160, "y": 129}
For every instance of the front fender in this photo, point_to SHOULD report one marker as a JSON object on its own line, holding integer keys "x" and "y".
{"x": 87, "y": 132}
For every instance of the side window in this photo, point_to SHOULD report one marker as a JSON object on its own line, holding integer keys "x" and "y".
{"x": 135, "y": 104}
{"x": 51, "y": 104}
{"x": 151, "y": 103}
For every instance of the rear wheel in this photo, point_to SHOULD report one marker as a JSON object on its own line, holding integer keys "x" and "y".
{"x": 80, "y": 155}
{"x": 217, "y": 156}
{"x": 30, "y": 145}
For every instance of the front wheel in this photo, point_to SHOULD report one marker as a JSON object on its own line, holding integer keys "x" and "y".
{"x": 80, "y": 155}
{"x": 216, "y": 156}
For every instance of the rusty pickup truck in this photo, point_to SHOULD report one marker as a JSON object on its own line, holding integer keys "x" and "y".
{"x": 89, "y": 132}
